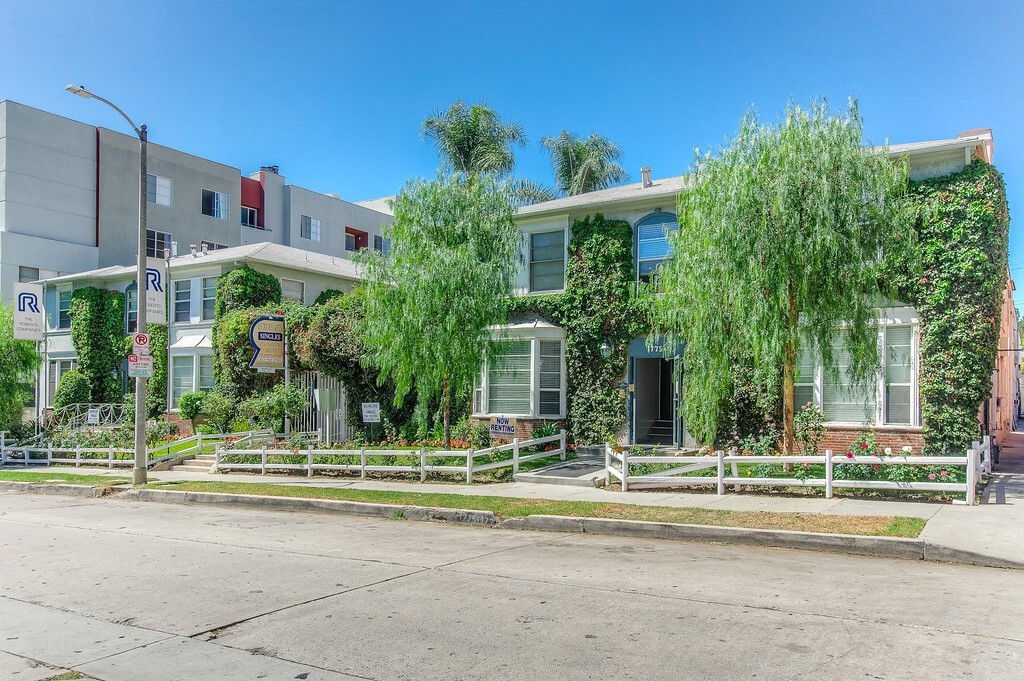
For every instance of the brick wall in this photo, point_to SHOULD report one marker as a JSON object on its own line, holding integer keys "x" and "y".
{"x": 839, "y": 438}
{"x": 524, "y": 427}
{"x": 184, "y": 425}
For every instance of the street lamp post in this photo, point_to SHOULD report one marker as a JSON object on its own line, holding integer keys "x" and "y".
{"x": 140, "y": 467}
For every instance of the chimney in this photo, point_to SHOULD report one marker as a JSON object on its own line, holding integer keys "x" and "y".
{"x": 645, "y": 174}
{"x": 271, "y": 169}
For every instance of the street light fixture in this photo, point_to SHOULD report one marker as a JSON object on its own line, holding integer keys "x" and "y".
{"x": 139, "y": 469}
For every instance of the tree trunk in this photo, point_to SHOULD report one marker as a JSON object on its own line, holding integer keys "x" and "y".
{"x": 789, "y": 379}
{"x": 446, "y": 414}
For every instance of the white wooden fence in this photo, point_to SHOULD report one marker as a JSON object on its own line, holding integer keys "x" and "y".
{"x": 367, "y": 460}
{"x": 977, "y": 461}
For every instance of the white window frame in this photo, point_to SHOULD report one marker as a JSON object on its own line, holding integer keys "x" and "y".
{"x": 534, "y": 336}
{"x": 181, "y": 285}
{"x": 199, "y": 373}
{"x": 530, "y": 262}
{"x": 315, "y": 227}
{"x": 900, "y": 318}
{"x": 173, "y": 376}
{"x": 153, "y": 190}
{"x": 253, "y": 213}
{"x": 69, "y": 290}
{"x": 203, "y": 298}
{"x": 636, "y": 245}
{"x": 221, "y": 204}
{"x": 130, "y": 293}
{"x": 302, "y": 290}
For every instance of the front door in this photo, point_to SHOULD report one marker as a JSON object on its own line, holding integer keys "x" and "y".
{"x": 654, "y": 396}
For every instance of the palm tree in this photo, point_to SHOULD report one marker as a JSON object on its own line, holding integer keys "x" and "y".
{"x": 472, "y": 139}
{"x": 584, "y": 165}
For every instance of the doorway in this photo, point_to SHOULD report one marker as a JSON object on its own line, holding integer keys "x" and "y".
{"x": 655, "y": 405}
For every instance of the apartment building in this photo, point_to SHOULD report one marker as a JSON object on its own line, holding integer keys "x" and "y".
{"x": 69, "y": 202}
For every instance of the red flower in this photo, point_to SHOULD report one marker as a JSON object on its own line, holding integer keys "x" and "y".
{"x": 849, "y": 455}
{"x": 863, "y": 445}
{"x": 877, "y": 467}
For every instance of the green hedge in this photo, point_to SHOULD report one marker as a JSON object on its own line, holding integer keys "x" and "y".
{"x": 97, "y": 332}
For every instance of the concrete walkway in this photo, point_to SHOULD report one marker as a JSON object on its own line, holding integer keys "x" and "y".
{"x": 994, "y": 528}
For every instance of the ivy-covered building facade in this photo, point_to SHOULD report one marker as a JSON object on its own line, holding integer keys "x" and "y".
{"x": 578, "y": 349}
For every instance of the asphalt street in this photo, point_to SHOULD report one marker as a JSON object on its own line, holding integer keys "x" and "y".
{"x": 133, "y": 590}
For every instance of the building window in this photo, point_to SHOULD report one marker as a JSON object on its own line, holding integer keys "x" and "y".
{"x": 206, "y": 372}
{"x": 209, "y": 297}
{"x": 842, "y": 399}
{"x": 355, "y": 239}
{"x": 158, "y": 190}
{"x": 216, "y": 205}
{"x": 27, "y": 275}
{"x": 183, "y": 300}
{"x": 309, "y": 228}
{"x": 524, "y": 378}
{"x": 806, "y": 376}
{"x": 58, "y": 368}
{"x": 64, "y": 309}
{"x": 157, "y": 243}
{"x": 652, "y": 242}
{"x": 292, "y": 290}
{"x": 547, "y": 261}
{"x": 249, "y": 217}
{"x": 211, "y": 245}
{"x": 131, "y": 309}
{"x": 182, "y": 377}
{"x": 899, "y": 375}
{"x": 380, "y": 244}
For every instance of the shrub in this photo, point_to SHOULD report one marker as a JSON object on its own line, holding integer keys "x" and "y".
{"x": 205, "y": 429}
{"x": 190, "y": 405}
{"x": 810, "y": 429}
{"x": 73, "y": 389}
{"x": 268, "y": 409}
{"x": 219, "y": 410}
{"x": 243, "y": 288}
{"x": 480, "y": 436}
{"x": 544, "y": 430}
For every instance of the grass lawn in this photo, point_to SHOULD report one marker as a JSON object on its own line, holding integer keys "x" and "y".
{"x": 51, "y": 478}
{"x": 510, "y": 507}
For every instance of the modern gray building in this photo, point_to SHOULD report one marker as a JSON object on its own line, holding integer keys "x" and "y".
{"x": 69, "y": 202}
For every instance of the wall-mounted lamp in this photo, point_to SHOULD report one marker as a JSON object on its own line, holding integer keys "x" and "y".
{"x": 606, "y": 349}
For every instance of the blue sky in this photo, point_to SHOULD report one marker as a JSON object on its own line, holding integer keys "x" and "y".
{"x": 334, "y": 92}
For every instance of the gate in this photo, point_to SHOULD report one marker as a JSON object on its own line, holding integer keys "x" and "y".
{"x": 325, "y": 413}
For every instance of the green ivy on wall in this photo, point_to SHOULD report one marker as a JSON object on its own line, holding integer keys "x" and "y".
{"x": 599, "y": 304}
{"x": 97, "y": 332}
{"x": 244, "y": 288}
{"x": 156, "y": 397}
{"x": 963, "y": 237}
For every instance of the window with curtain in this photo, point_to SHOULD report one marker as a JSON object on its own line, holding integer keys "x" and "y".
{"x": 508, "y": 379}
{"x": 842, "y": 400}
{"x": 652, "y": 242}
{"x": 182, "y": 377}
{"x": 547, "y": 261}
{"x": 158, "y": 190}
{"x": 899, "y": 375}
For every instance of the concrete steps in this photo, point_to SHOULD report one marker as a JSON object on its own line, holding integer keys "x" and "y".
{"x": 585, "y": 471}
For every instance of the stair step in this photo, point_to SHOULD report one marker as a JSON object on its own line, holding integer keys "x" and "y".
{"x": 193, "y": 469}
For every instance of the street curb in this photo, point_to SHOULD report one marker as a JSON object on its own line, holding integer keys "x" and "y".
{"x": 882, "y": 547}
{"x": 62, "y": 489}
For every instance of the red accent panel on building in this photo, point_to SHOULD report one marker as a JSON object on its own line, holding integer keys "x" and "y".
{"x": 362, "y": 238}
{"x": 252, "y": 196}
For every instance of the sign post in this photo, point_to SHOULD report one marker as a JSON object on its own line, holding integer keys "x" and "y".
{"x": 371, "y": 414}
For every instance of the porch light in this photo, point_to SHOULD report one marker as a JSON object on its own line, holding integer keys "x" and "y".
{"x": 606, "y": 349}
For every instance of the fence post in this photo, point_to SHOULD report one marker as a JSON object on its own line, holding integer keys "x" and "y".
{"x": 721, "y": 471}
{"x": 3, "y": 447}
{"x": 828, "y": 473}
{"x": 199, "y": 443}
{"x": 561, "y": 442}
{"x": 972, "y": 483}
{"x": 309, "y": 461}
{"x": 735, "y": 474}
{"x": 78, "y": 457}
{"x": 607, "y": 464}
{"x": 423, "y": 463}
{"x": 362, "y": 462}
{"x": 49, "y": 455}
{"x": 625, "y": 469}
{"x": 216, "y": 457}
{"x": 515, "y": 455}
{"x": 469, "y": 466}
{"x": 110, "y": 457}
{"x": 263, "y": 460}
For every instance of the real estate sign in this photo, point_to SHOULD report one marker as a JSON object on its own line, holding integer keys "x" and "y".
{"x": 371, "y": 412}
{"x": 156, "y": 291}
{"x": 502, "y": 426}
{"x": 266, "y": 335}
{"x": 29, "y": 315}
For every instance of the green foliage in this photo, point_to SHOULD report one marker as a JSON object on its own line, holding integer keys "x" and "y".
{"x": 544, "y": 430}
{"x": 810, "y": 428}
{"x": 190, "y": 405}
{"x": 962, "y": 234}
{"x": 156, "y": 395}
{"x": 326, "y": 295}
{"x": 598, "y": 304}
{"x": 447, "y": 278}
{"x": 18, "y": 363}
{"x": 97, "y": 332}
{"x": 233, "y": 351}
{"x": 72, "y": 389}
{"x": 779, "y": 238}
{"x": 219, "y": 410}
{"x": 584, "y": 165}
{"x": 472, "y": 139}
{"x": 244, "y": 288}
{"x": 268, "y": 409}
{"x": 480, "y": 436}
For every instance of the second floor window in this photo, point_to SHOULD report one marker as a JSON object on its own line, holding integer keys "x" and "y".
{"x": 64, "y": 309}
{"x": 131, "y": 309}
{"x": 381, "y": 245}
{"x": 309, "y": 228}
{"x": 216, "y": 205}
{"x": 158, "y": 190}
{"x": 547, "y": 261}
{"x": 26, "y": 275}
{"x": 157, "y": 243}
{"x": 209, "y": 297}
{"x": 652, "y": 243}
{"x": 211, "y": 245}
{"x": 183, "y": 300}
{"x": 249, "y": 217}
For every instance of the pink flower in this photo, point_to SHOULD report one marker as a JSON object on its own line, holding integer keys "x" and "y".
{"x": 863, "y": 445}
{"x": 849, "y": 455}
{"x": 943, "y": 473}
{"x": 877, "y": 467}
{"x": 807, "y": 465}
{"x": 931, "y": 476}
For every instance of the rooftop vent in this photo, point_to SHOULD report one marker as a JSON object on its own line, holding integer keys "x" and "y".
{"x": 334, "y": 196}
{"x": 645, "y": 174}
{"x": 271, "y": 169}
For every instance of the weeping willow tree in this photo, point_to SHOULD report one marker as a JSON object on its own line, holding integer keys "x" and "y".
{"x": 447, "y": 277}
{"x": 781, "y": 238}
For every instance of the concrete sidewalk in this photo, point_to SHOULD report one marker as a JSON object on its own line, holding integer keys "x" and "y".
{"x": 993, "y": 529}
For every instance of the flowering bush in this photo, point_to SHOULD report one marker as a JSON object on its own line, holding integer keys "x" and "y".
{"x": 809, "y": 423}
